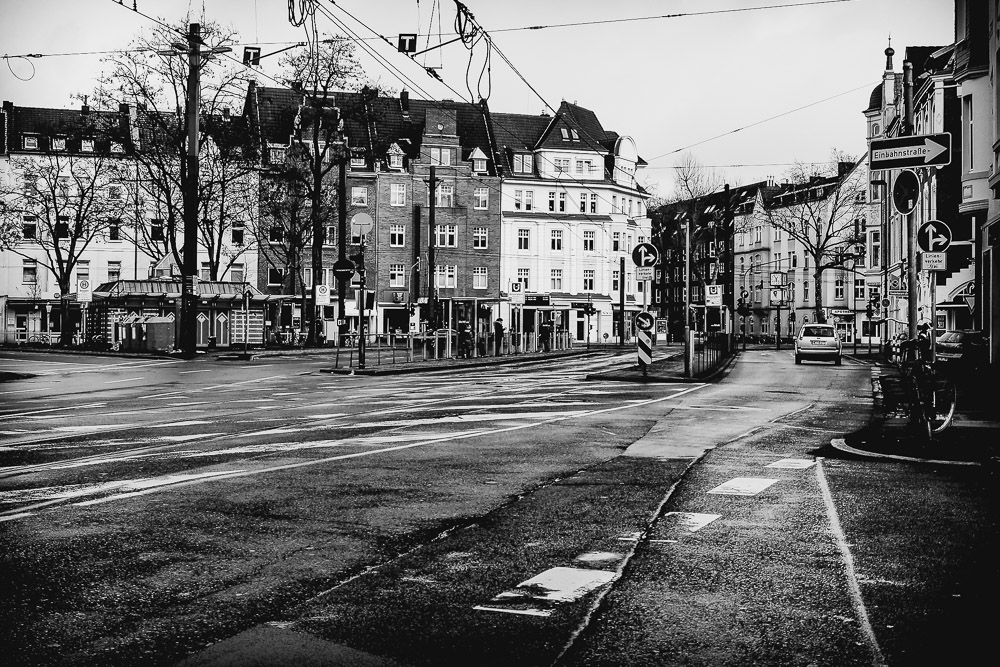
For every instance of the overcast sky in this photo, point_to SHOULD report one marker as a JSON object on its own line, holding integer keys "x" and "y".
{"x": 684, "y": 83}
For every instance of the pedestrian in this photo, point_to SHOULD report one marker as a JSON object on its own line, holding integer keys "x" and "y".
{"x": 497, "y": 336}
{"x": 464, "y": 340}
{"x": 545, "y": 335}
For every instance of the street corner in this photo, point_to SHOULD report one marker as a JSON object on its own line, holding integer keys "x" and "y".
{"x": 964, "y": 444}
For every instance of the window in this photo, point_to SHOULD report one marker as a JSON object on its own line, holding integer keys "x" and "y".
{"x": 114, "y": 230}
{"x": 805, "y": 291}
{"x": 397, "y": 236}
{"x": 756, "y": 234}
{"x": 237, "y": 273}
{"x": 615, "y": 280}
{"x": 480, "y": 238}
{"x": 275, "y": 276}
{"x": 397, "y": 196}
{"x": 83, "y": 269}
{"x": 523, "y": 239}
{"x": 614, "y": 204}
{"x": 479, "y": 164}
{"x": 481, "y": 198}
{"x": 355, "y": 237}
{"x": 859, "y": 288}
{"x": 444, "y": 276}
{"x": 529, "y": 196}
{"x": 616, "y": 241}
{"x": 777, "y": 233}
{"x": 561, "y": 165}
{"x": 445, "y": 196}
{"x": 584, "y": 167}
{"x": 523, "y": 276}
{"x": 59, "y": 143}
{"x": 583, "y": 202}
{"x": 29, "y": 271}
{"x": 793, "y": 259}
{"x": 552, "y": 201}
{"x": 876, "y": 249}
{"x": 331, "y": 236}
{"x": 116, "y": 147}
{"x": 556, "y": 279}
{"x": 357, "y": 161}
{"x": 30, "y": 143}
{"x": 114, "y": 271}
{"x": 838, "y": 288}
{"x": 276, "y": 155}
{"x": 87, "y": 145}
{"x": 524, "y": 163}
{"x": 562, "y": 202}
{"x": 29, "y": 228}
{"x": 588, "y": 241}
{"x": 479, "y": 277}
{"x": 397, "y": 275}
{"x": 588, "y": 280}
{"x": 447, "y": 236}
{"x": 359, "y": 196}
{"x": 156, "y": 229}
{"x": 395, "y": 161}
{"x": 565, "y": 133}
{"x": 236, "y": 233}
{"x": 518, "y": 196}
{"x": 206, "y": 271}
{"x": 441, "y": 156}
{"x": 557, "y": 238}
{"x": 593, "y": 203}
{"x": 276, "y": 234}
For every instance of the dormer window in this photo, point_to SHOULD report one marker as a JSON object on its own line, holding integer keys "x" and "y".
{"x": 479, "y": 164}
{"x": 523, "y": 163}
{"x": 395, "y": 161}
{"x": 116, "y": 147}
{"x": 565, "y": 134}
{"x": 357, "y": 160}
{"x": 87, "y": 145}
{"x": 59, "y": 143}
{"x": 276, "y": 155}
{"x": 30, "y": 143}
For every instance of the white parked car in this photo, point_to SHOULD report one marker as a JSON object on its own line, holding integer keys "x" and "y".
{"x": 818, "y": 341}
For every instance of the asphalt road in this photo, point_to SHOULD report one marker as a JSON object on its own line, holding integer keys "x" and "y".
{"x": 156, "y": 511}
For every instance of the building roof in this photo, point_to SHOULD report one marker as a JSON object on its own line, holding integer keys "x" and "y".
{"x": 166, "y": 286}
{"x": 72, "y": 125}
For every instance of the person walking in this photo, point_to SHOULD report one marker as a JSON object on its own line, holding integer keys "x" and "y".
{"x": 497, "y": 336}
{"x": 545, "y": 335}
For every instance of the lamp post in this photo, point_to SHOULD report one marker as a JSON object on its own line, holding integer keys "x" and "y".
{"x": 884, "y": 250}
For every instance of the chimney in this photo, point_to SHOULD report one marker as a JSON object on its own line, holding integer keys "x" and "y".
{"x": 404, "y": 100}
{"x": 123, "y": 108}
{"x": 8, "y": 106}
{"x": 85, "y": 109}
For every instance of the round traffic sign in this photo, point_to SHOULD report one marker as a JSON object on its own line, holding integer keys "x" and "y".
{"x": 904, "y": 191}
{"x": 361, "y": 223}
{"x": 645, "y": 254}
{"x": 934, "y": 236}
{"x": 343, "y": 269}
{"x": 644, "y": 321}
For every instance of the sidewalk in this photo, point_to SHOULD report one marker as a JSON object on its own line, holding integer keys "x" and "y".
{"x": 972, "y": 439}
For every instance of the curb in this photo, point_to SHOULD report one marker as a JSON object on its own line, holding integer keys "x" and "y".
{"x": 840, "y": 444}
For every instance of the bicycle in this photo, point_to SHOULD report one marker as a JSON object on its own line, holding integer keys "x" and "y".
{"x": 931, "y": 396}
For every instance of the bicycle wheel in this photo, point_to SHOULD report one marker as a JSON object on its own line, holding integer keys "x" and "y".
{"x": 941, "y": 411}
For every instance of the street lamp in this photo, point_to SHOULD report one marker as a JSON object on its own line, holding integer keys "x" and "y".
{"x": 884, "y": 249}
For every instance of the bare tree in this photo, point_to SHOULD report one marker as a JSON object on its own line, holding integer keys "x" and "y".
{"x": 820, "y": 210}
{"x": 152, "y": 80}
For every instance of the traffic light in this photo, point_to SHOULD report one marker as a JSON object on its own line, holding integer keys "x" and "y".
{"x": 868, "y": 310}
{"x": 411, "y": 310}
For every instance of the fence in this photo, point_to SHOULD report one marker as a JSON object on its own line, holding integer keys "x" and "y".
{"x": 711, "y": 350}
{"x": 388, "y": 349}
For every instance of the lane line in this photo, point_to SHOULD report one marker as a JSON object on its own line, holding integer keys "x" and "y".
{"x": 852, "y": 576}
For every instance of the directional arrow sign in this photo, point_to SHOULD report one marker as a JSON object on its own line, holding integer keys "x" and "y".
{"x": 645, "y": 254}
{"x": 922, "y": 150}
{"x": 934, "y": 236}
{"x": 644, "y": 321}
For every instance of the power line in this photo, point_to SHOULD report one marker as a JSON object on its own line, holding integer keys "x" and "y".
{"x": 760, "y": 122}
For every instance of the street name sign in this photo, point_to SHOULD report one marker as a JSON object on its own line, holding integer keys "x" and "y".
{"x": 645, "y": 254}
{"x": 934, "y": 236}
{"x": 921, "y": 150}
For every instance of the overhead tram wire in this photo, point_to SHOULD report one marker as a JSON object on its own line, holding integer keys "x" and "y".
{"x": 597, "y": 148}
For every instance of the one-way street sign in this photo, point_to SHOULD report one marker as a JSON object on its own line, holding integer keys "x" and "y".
{"x": 922, "y": 150}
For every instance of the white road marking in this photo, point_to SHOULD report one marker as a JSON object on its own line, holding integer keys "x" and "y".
{"x": 792, "y": 464}
{"x": 559, "y": 584}
{"x": 192, "y": 422}
{"x": 62, "y": 409}
{"x": 693, "y": 521}
{"x": 743, "y": 486}
{"x": 199, "y": 370}
{"x": 852, "y": 577}
{"x": 122, "y": 380}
